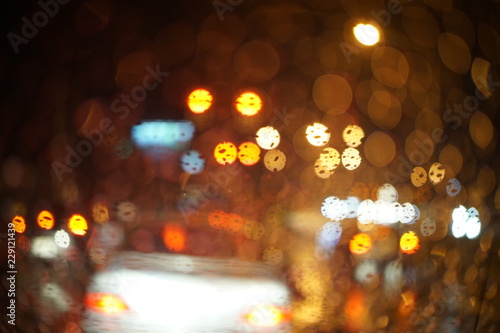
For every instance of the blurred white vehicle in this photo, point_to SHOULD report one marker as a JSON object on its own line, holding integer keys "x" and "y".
{"x": 157, "y": 292}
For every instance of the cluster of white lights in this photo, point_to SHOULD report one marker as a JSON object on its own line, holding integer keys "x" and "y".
{"x": 268, "y": 138}
{"x": 385, "y": 210}
{"x": 466, "y": 222}
{"x": 161, "y": 133}
{"x": 329, "y": 159}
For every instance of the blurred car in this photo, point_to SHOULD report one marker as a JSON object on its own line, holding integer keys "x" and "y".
{"x": 163, "y": 292}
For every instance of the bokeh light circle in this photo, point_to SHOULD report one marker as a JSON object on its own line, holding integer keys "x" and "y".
{"x": 248, "y": 103}
{"x": 379, "y": 149}
{"x": 267, "y": 137}
{"x": 225, "y": 153}
{"x": 199, "y": 101}
{"x": 366, "y": 34}
{"x": 248, "y": 153}
{"x": 332, "y": 94}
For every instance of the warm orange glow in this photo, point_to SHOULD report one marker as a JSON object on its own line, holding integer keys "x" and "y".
{"x": 409, "y": 242}
{"x": 199, "y": 101}
{"x": 268, "y": 316}
{"x": 234, "y": 222}
{"x": 225, "y": 153}
{"x": 77, "y": 224}
{"x": 248, "y": 104}
{"x": 174, "y": 237}
{"x": 356, "y": 311}
{"x": 105, "y": 302}
{"x": 218, "y": 219}
{"x": 19, "y": 224}
{"x": 45, "y": 219}
{"x": 360, "y": 243}
{"x": 249, "y": 153}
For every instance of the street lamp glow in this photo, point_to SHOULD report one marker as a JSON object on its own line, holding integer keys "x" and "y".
{"x": 366, "y": 34}
{"x": 248, "y": 103}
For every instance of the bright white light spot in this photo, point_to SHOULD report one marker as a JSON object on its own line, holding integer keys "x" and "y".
{"x": 473, "y": 227}
{"x": 472, "y": 212}
{"x": 460, "y": 215}
{"x": 465, "y": 222}
{"x": 352, "y": 206}
{"x": 367, "y": 212}
{"x": 192, "y": 162}
{"x": 366, "y": 34}
{"x": 351, "y": 159}
{"x": 458, "y": 229}
{"x": 334, "y": 208}
{"x": 382, "y": 209}
{"x": 394, "y": 212}
{"x": 317, "y": 134}
{"x": 267, "y": 137}
{"x": 61, "y": 238}
{"x": 44, "y": 247}
{"x": 168, "y": 134}
{"x": 388, "y": 193}
{"x": 407, "y": 213}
